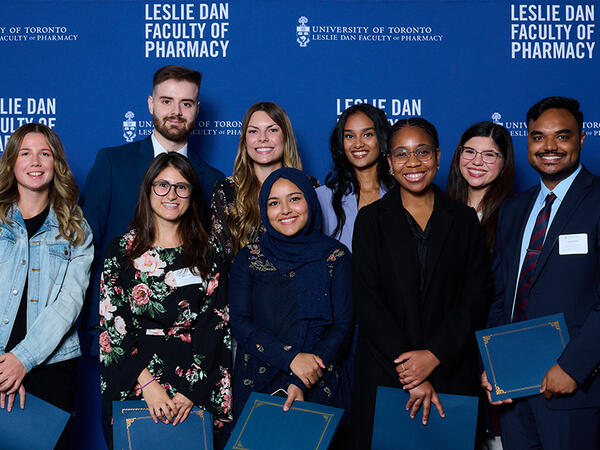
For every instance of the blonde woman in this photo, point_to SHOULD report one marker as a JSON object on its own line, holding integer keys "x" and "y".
{"x": 267, "y": 143}
{"x": 45, "y": 256}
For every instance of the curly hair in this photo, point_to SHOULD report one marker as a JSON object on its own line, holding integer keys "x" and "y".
{"x": 63, "y": 192}
{"x": 342, "y": 179}
{"x": 244, "y": 220}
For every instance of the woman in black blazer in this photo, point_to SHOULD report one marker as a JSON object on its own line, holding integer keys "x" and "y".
{"x": 421, "y": 286}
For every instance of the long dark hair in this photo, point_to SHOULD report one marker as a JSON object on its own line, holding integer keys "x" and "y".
{"x": 499, "y": 189}
{"x": 342, "y": 179}
{"x": 190, "y": 229}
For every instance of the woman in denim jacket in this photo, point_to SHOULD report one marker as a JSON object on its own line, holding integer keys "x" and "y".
{"x": 45, "y": 256}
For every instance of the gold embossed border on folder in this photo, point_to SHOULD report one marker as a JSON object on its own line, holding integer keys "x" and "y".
{"x": 258, "y": 403}
{"x": 131, "y": 420}
{"x": 486, "y": 339}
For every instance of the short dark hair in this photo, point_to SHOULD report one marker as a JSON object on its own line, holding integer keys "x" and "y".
{"x": 418, "y": 122}
{"x": 570, "y": 104}
{"x": 179, "y": 73}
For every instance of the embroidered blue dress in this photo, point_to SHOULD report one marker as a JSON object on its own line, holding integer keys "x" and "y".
{"x": 289, "y": 303}
{"x": 264, "y": 316}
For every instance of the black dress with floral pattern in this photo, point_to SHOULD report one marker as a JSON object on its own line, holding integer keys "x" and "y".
{"x": 159, "y": 315}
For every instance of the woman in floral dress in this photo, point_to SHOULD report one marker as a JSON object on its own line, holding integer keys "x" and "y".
{"x": 164, "y": 328}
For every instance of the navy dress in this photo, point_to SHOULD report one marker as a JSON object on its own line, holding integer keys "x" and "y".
{"x": 272, "y": 325}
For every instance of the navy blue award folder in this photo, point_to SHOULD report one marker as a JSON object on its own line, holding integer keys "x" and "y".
{"x": 263, "y": 425}
{"x": 517, "y": 356}
{"x": 133, "y": 428}
{"x": 393, "y": 428}
{"x": 20, "y": 428}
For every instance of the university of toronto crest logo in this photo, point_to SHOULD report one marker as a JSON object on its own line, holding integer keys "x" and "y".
{"x": 496, "y": 118}
{"x": 129, "y": 127}
{"x": 303, "y": 32}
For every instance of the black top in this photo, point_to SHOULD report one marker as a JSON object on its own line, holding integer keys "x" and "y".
{"x": 420, "y": 237}
{"x": 19, "y": 329}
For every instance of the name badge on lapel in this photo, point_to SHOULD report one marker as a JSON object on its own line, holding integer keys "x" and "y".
{"x": 573, "y": 244}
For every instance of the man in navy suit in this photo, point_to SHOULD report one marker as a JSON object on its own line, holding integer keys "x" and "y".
{"x": 562, "y": 214}
{"x": 111, "y": 189}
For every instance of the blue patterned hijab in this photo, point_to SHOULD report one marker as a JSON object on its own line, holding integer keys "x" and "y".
{"x": 306, "y": 252}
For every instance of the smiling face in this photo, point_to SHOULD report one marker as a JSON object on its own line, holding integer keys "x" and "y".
{"x": 360, "y": 141}
{"x": 174, "y": 107}
{"x": 287, "y": 208}
{"x": 414, "y": 176}
{"x": 478, "y": 173}
{"x": 34, "y": 166}
{"x": 554, "y": 144}
{"x": 264, "y": 140}
{"x": 170, "y": 207}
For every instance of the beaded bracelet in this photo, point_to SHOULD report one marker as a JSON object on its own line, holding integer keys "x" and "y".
{"x": 142, "y": 387}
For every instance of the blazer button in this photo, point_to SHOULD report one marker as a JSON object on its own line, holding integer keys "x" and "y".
{"x": 15, "y": 292}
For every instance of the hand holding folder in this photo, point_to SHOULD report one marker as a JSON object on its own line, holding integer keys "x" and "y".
{"x": 393, "y": 427}
{"x": 519, "y": 356}
{"x": 557, "y": 382}
{"x": 20, "y": 428}
{"x": 264, "y": 425}
{"x": 134, "y": 428}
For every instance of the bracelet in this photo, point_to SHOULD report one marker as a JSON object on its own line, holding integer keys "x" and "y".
{"x": 142, "y": 387}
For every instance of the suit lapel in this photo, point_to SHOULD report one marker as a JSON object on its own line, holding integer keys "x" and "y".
{"x": 575, "y": 195}
{"x": 145, "y": 155}
{"x": 197, "y": 163}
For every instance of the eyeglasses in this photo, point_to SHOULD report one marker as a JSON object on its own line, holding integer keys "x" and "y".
{"x": 423, "y": 153}
{"x": 162, "y": 188}
{"x": 487, "y": 156}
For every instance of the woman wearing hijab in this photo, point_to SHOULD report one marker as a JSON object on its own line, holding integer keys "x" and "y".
{"x": 291, "y": 307}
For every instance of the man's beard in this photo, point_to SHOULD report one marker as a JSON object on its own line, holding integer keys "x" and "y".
{"x": 172, "y": 133}
{"x": 561, "y": 174}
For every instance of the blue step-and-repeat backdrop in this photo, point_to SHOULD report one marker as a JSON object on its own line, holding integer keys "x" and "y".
{"x": 85, "y": 68}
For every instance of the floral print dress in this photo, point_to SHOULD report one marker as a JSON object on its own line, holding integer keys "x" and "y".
{"x": 157, "y": 314}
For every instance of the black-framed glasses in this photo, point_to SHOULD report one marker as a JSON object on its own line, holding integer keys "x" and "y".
{"x": 162, "y": 188}
{"x": 423, "y": 153}
{"x": 487, "y": 156}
